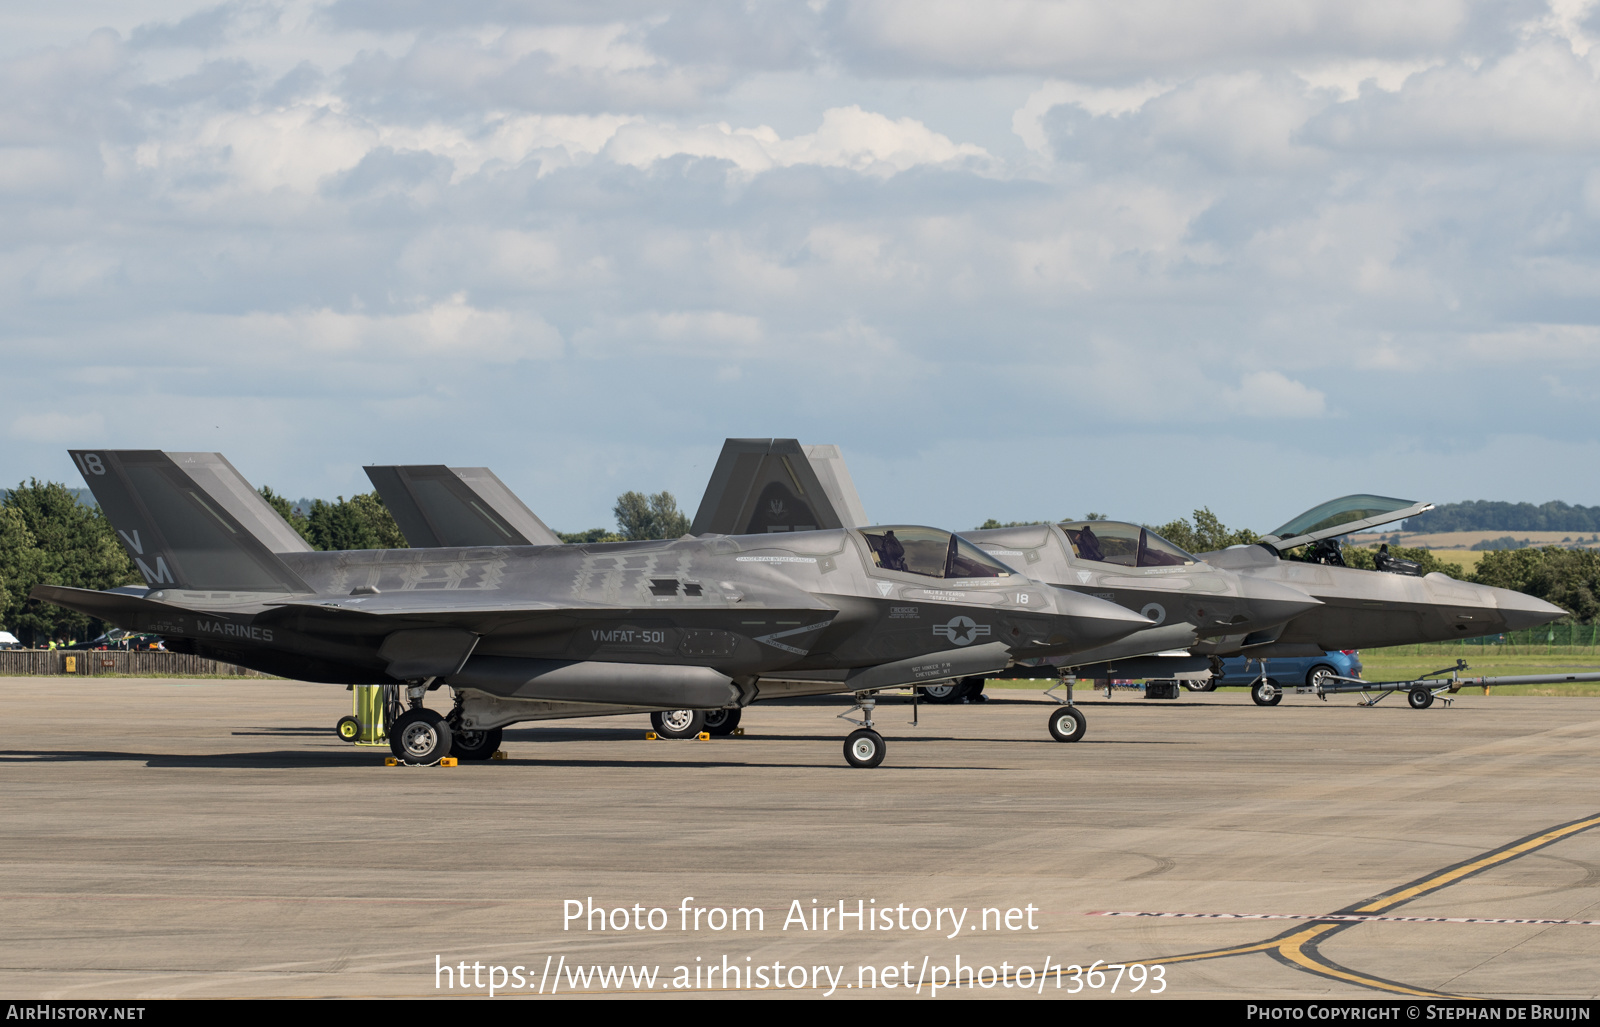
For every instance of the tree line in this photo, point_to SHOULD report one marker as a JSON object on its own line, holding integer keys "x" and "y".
{"x": 48, "y": 537}
{"x": 1484, "y": 515}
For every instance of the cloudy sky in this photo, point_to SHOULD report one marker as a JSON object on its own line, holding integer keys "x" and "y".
{"x": 1019, "y": 258}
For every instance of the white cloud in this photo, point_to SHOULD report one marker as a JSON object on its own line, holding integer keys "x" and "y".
{"x": 56, "y": 427}
{"x": 450, "y": 329}
{"x": 847, "y": 138}
{"x": 425, "y": 230}
{"x": 1271, "y": 394}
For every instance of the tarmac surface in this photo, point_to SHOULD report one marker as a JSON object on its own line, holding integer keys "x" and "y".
{"x": 205, "y": 838}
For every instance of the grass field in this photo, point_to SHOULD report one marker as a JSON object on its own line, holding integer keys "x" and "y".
{"x": 1466, "y": 559}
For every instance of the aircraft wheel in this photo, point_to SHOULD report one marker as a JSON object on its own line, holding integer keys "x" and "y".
{"x": 1266, "y": 693}
{"x": 348, "y": 729}
{"x": 1067, "y": 724}
{"x": 864, "y": 748}
{"x": 944, "y": 692}
{"x": 678, "y": 723}
{"x": 475, "y": 745}
{"x": 722, "y": 722}
{"x": 1420, "y": 698}
{"x": 420, "y": 736}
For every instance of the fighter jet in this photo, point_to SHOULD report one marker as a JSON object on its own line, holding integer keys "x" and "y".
{"x": 1247, "y": 600}
{"x": 539, "y": 632}
{"x": 777, "y": 486}
{"x": 1185, "y": 600}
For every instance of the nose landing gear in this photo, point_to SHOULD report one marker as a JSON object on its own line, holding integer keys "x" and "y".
{"x": 864, "y": 747}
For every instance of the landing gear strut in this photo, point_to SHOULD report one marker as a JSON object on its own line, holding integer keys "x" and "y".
{"x": 864, "y": 747}
{"x": 1067, "y": 723}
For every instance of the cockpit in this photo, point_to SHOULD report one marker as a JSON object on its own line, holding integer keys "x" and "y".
{"x": 931, "y": 553}
{"x": 1126, "y": 545}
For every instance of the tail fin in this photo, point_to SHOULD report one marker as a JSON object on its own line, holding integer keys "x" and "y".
{"x": 190, "y": 520}
{"x": 437, "y": 506}
{"x": 767, "y": 485}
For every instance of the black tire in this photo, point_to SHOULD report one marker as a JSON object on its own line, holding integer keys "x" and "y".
{"x": 678, "y": 723}
{"x": 348, "y": 729}
{"x": 1420, "y": 698}
{"x": 864, "y": 748}
{"x": 475, "y": 745}
{"x": 943, "y": 693}
{"x": 1321, "y": 672}
{"x": 972, "y": 690}
{"x": 420, "y": 736}
{"x": 1067, "y": 724}
{"x": 720, "y": 723}
{"x": 1204, "y": 685}
{"x": 1266, "y": 693}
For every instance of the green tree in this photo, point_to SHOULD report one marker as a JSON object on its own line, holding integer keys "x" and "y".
{"x": 645, "y": 517}
{"x": 1570, "y": 578}
{"x": 992, "y": 523}
{"x": 76, "y": 547}
{"x": 20, "y": 565}
{"x": 360, "y": 522}
{"x": 297, "y": 520}
{"x": 592, "y": 535}
{"x": 1206, "y": 534}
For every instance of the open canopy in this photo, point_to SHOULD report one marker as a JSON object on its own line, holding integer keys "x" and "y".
{"x": 1341, "y": 517}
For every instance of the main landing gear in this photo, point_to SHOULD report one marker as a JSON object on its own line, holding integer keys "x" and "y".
{"x": 864, "y": 747}
{"x": 420, "y": 736}
{"x": 678, "y": 723}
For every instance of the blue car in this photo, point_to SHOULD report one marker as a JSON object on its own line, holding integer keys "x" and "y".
{"x": 1287, "y": 672}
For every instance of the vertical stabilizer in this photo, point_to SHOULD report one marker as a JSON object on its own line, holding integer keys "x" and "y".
{"x": 453, "y": 507}
{"x": 771, "y": 485}
{"x": 188, "y": 524}
{"x": 828, "y": 464}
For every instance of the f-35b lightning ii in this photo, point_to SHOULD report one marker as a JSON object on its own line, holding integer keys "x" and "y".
{"x": 1237, "y": 601}
{"x": 540, "y": 632}
{"x": 777, "y": 486}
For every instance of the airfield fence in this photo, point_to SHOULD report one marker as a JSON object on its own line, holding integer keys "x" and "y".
{"x": 1559, "y": 639}
{"x": 112, "y": 662}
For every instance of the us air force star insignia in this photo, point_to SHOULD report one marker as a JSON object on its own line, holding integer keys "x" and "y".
{"x": 961, "y": 630}
{"x": 884, "y": 587}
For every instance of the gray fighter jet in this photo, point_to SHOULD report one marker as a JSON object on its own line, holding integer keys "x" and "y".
{"x": 541, "y": 632}
{"x": 1239, "y": 601}
{"x": 776, "y": 486}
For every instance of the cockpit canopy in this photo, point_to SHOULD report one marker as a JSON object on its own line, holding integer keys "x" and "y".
{"x": 1126, "y": 545}
{"x": 930, "y": 552}
{"x": 1341, "y": 517}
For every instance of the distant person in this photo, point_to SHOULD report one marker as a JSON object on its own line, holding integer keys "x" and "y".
{"x": 1089, "y": 545}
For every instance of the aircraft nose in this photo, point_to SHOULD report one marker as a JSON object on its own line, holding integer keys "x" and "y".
{"x": 1272, "y": 603}
{"x": 1525, "y": 611}
{"x": 1095, "y": 622}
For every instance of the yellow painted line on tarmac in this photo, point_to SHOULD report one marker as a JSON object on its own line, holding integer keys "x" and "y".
{"x": 1292, "y": 949}
{"x": 1456, "y": 873}
{"x": 1291, "y": 946}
